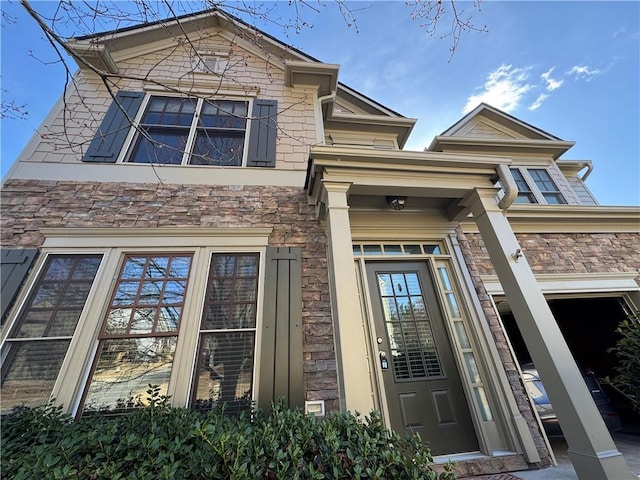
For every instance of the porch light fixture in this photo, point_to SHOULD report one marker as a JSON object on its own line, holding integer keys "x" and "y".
{"x": 396, "y": 203}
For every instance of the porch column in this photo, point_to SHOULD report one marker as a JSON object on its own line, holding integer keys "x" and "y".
{"x": 591, "y": 448}
{"x": 348, "y": 331}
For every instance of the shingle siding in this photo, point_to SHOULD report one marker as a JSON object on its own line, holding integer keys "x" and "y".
{"x": 65, "y": 136}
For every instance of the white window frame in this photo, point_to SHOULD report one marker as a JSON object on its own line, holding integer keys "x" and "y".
{"x": 209, "y": 62}
{"x": 533, "y": 187}
{"x": 132, "y": 137}
{"x": 113, "y": 244}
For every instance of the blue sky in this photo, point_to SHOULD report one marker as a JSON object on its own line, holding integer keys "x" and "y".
{"x": 569, "y": 68}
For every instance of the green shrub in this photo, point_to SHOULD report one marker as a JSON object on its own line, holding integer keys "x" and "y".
{"x": 627, "y": 377}
{"x": 164, "y": 442}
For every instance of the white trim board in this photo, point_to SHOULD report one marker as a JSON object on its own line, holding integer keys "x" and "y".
{"x": 552, "y": 283}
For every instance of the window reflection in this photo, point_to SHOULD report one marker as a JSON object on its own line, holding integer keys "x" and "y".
{"x": 140, "y": 330}
{"x": 31, "y": 359}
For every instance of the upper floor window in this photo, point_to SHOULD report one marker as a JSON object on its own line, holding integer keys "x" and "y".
{"x": 186, "y": 131}
{"x": 536, "y": 186}
{"x": 525, "y": 195}
{"x": 547, "y": 188}
{"x": 182, "y": 131}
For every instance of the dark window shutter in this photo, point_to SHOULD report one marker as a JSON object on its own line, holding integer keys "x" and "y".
{"x": 14, "y": 266}
{"x": 281, "y": 364}
{"x": 262, "y": 137}
{"x": 110, "y": 137}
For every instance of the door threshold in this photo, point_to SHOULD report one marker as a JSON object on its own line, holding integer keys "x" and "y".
{"x": 466, "y": 456}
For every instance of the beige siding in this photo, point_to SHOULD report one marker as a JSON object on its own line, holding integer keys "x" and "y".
{"x": 65, "y": 135}
{"x": 582, "y": 192}
{"x": 563, "y": 184}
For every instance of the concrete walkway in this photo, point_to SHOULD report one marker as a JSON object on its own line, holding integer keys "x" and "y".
{"x": 628, "y": 444}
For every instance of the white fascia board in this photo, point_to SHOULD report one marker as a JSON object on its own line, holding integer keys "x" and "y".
{"x": 574, "y": 283}
{"x": 569, "y": 219}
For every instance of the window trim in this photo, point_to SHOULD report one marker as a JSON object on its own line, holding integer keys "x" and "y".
{"x": 134, "y": 134}
{"x": 543, "y": 193}
{"x": 534, "y": 189}
{"x": 113, "y": 244}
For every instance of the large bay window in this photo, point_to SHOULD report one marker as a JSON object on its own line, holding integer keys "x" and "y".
{"x": 107, "y": 312}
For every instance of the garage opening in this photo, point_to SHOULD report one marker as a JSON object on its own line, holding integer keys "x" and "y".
{"x": 588, "y": 326}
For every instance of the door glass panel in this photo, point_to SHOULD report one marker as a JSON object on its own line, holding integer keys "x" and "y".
{"x": 413, "y": 351}
{"x": 462, "y": 335}
{"x": 472, "y": 368}
{"x": 393, "y": 250}
{"x": 481, "y": 398}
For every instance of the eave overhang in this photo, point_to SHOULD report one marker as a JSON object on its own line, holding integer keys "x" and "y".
{"x": 554, "y": 148}
{"x": 401, "y": 127}
{"x": 101, "y": 51}
{"x": 303, "y": 73}
{"x": 571, "y": 168}
{"x": 397, "y": 172}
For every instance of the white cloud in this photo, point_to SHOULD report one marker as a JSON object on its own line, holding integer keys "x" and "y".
{"x": 541, "y": 98}
{"x": 552, "y": 84}
{"x": 583, "y": 72}
{"x": 503, "y": 89}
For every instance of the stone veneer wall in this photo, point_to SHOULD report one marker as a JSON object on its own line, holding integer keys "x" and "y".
{"x": 473, "y": 259}
{"x": 28, "y": 205}
{"x": 548, "y": 253}
{"x": 570, "y": 252}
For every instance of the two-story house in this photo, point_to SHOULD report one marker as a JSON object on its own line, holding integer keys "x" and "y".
{"x": 211, "y": 211}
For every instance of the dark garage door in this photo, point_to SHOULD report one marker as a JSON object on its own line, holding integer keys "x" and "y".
{"x": 588, "y": 326}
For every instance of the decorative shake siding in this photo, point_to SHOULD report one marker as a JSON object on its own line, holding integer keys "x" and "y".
{"x": 563, "y": 184}
{"x": 66, "y": 133}
{"x": 28, "y": 205}
{"x": 585, "y": 197}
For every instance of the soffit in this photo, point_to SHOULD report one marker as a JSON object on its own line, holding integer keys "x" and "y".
{"x": 322, "y": 75}
{"x": 398, "y": 127}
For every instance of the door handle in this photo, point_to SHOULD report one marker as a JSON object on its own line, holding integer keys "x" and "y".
{"x": 384, "y": 363}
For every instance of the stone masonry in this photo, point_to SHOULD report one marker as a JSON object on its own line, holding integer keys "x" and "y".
{"x": 28, "y": 205}
{"x": 499, "y": 336}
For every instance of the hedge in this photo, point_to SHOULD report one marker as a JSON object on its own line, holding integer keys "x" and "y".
{"x": 159, "y": 441}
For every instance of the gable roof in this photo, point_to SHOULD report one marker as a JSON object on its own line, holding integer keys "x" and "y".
{"x": 489, "y": 129}
{"x": 100, "y": 50}
{"x": 487, "y": 111}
